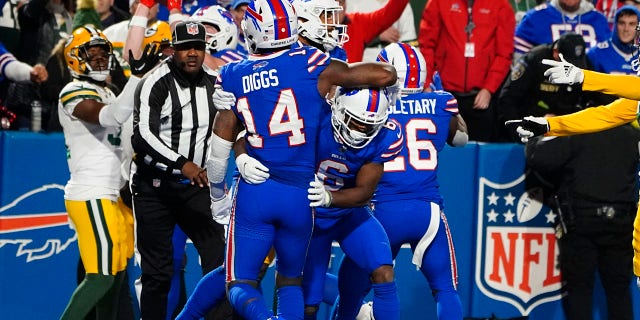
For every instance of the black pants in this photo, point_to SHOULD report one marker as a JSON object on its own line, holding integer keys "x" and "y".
{"x": 160, "y": 204}
{"x": 603, "y": 245}
{"x": 481, "y": 124}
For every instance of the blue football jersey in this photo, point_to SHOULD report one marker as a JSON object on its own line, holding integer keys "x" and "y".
{"x": 424, "y": 118}
{"x": 606, "y": 59}
{"x": 230, "y": 55}
{"x": 280, "y": 107}
{"x": 545, "y": 24}
{"x": 338, "y": 165}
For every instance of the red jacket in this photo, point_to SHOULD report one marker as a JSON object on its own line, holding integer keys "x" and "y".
{"x": 364, "y": 27}
{"x": 442, "y": 40}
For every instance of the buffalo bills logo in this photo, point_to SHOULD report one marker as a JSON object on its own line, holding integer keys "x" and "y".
{"x": 34, "y": 226}
{"x": 260, "y": 65}
{"x": 517, "y": 254}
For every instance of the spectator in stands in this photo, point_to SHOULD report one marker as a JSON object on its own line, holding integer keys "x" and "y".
{"x": 528, "y": 92}
{"x": 403, "y": 30}
{"x": 616, "y": 53}
{"x": 109, "y": 14}
{"x": 13, "y": 70}
{"x": 41, "y": 22}
{"x": 362, "y": 27}
{"x": 549, "y": 21}
{"x": 521, "y": 7}
{"x": 471, "y": 48}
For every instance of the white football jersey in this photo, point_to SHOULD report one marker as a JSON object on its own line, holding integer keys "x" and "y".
{"x": 93, "y": 151}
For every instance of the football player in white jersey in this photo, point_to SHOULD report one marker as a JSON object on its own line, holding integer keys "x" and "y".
{"x": 91, "y": 116}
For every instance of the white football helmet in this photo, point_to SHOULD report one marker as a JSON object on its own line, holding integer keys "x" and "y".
{"x": 358, "y": 115}
{"x": 319, "y": 22}
{"x": 269, "y": 24}
{"x": 410, "y": 65}
{"x": 221, "y": 19}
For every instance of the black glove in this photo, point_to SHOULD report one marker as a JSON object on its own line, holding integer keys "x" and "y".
{"x": 150, "y": 57}
{"x": 530, "y": 127}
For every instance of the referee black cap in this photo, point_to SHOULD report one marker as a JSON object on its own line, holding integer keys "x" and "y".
{"x": 188, "y": 31}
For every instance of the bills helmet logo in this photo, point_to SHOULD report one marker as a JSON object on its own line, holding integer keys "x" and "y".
{"x": 517, "y": 254}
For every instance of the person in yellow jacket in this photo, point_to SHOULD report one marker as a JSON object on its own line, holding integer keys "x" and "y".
{"x": 621, "y": 111}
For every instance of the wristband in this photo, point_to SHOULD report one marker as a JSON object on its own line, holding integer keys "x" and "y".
{"x": 138, "y": 21}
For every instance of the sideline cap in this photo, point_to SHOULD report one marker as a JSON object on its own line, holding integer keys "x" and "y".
{"x": 188, "y": 31}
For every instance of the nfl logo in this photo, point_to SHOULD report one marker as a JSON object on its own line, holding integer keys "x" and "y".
{"x": 192, "y": 28}
{"x": 516, "y": 253}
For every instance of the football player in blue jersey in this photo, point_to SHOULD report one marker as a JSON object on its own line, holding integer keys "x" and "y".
{"x": 349, "y": 168}
{"x": 280, "y": 111}
{"x": 407, "y": 202}
{"x": 548, "y": 21}
{"x": 319, "y": 26}
{"x": 222, "y": 36}
{"x": 616, "y": 54}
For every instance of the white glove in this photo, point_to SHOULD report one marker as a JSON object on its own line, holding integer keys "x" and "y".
{"x": 638, "y": 282}
{"x": 318, "y": 195}
{"x": 251, "y": 170}
{"x": 223, "y": 100}
{"x": 221, "y": 210}
{"x": 530, "y": 127}
{"x": 563, "y": 72}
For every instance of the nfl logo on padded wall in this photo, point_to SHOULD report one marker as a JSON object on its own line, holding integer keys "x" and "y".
{"x": 516, "y": 253}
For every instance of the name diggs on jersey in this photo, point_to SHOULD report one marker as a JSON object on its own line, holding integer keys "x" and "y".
{"x": 260, "y": 80}
{"x": 414, "y": 106}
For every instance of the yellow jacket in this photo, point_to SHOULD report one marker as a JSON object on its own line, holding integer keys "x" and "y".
{"x": 619, "y": 112}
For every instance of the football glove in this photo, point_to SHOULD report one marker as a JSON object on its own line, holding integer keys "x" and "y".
{"x": 221, "y": 210}
{"x": 318, "y": 195}
{"x": 149, "y": 59}
{"x": 436, "y": 82}
{"x": 251, "y": 170}
{"x": 563, "y": 72}
{"x": 223, "y": 100}
{"x": 530, "y": 127}
{"x": 638, "y": 282}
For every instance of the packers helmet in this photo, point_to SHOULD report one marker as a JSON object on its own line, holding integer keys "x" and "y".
{"x": 158, "y": 33}
{"x": 77, "y": 57}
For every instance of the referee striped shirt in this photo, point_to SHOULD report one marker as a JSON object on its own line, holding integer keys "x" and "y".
{"x": 173, "y": 118}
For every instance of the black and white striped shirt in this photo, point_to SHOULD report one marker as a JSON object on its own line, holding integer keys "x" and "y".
{"x": 173, "y": 119}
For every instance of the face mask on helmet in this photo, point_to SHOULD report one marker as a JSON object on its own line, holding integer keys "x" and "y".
{"x": 226, "y": 36}
{"x": 320, "y": 23}
{"x": 269, "y": 24}
{"x": 358, "y": 115}
{"x": 78, "y": 54}
{"x": 410, "y": 66}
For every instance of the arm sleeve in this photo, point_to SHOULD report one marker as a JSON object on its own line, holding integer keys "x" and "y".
{"x": 624, "y": 86}
{"x": 16, "y": 71}
{"x": 504, "y": 48}
{"x": 428, "y": 35}
{"x": 116, "y": 113}
{"x": 594, "y": 119}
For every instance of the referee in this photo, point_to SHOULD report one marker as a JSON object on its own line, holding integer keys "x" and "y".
{"x": 173, "y": 117}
